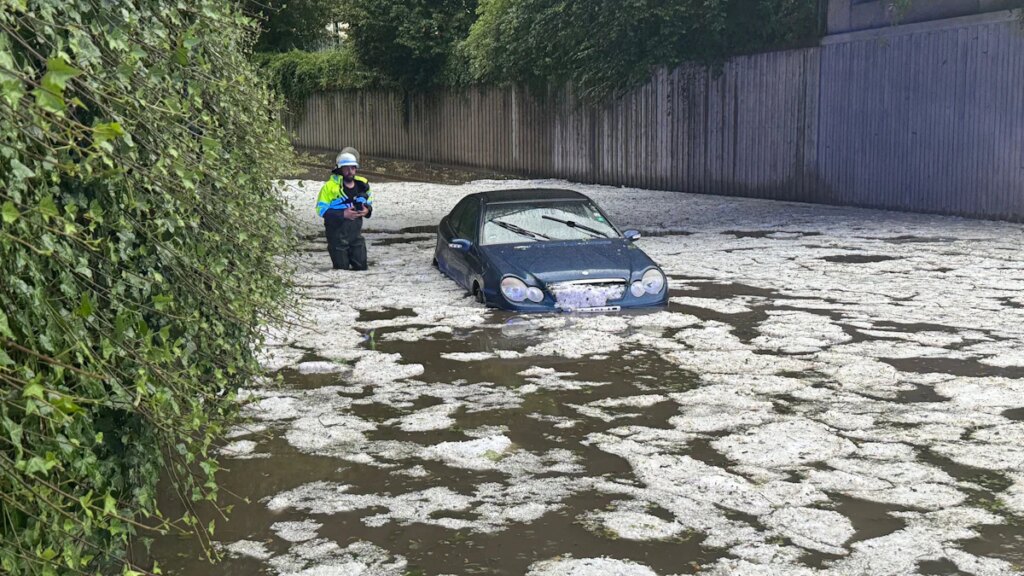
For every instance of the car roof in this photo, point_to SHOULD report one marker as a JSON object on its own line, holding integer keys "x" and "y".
{"x": 527, "y": 194}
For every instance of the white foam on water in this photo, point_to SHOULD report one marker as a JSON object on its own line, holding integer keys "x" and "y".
{"x": 822, "y": 530}
{"x": 588, "y": 567}
{"x": 784, "y": 444}
{"x": 324, "y": 557}
{"x": 798, "y": 332}
{"x": 239, "y": 449}
{"x": 296, "y": 531}
{"x": 416, "y": 334}
{"x": 376, "y": 368}
{"x": 737, "y": 305}
{"x": 479, "y": 454}
{"x": 434, "y": 418}
{"x": 551, "y": 379}
{"x": 249, "y": 548}
{"x": 641, "y": 401}
{"x": 633, "y": 525}
{"x": 468, "y": 356}
{"x": 320, "y": 367}
{"x": 719, "y": 407}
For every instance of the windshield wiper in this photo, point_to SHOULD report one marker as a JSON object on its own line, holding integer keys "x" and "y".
{"x": 573, "y": 224}
{"x": 518, "y": 230}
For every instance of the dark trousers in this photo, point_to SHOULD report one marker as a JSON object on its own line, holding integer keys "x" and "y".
{"x": 345, "y": 242}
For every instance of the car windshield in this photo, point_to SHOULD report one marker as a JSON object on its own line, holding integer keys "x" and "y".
{"x": 541, "y": 221}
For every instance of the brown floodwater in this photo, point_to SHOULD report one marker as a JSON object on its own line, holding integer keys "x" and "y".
{"x": 429, "y": 549}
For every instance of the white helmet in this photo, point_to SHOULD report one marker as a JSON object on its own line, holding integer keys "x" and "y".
{"x": 347, "y": 159}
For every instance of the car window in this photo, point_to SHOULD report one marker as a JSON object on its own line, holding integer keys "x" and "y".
{"x": 541, "y": 221}
{"x": 466, "y": 223}
{"x": 456, "y": 213}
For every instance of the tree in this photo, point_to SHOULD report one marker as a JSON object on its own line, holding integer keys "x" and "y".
{"x": 294, "y": 24}
{"x": 410, "y": 42}
{"x": 607, "y": 46}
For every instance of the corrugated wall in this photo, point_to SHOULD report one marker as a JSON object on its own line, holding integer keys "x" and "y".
{"x": 928, "y": 118}
{"x": 921, "y": 117}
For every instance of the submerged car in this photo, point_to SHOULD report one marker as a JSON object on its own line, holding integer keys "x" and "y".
{"x": 540, "y": 250}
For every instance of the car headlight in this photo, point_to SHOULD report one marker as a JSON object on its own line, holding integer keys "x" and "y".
{"x": 637, "y": 288}
{"x": 653, "y": 281}
{"x": 513, "y": 289}
{"x": 534, "y": 294}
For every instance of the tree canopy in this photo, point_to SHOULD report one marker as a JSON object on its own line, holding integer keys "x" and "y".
{"x": 605, "y": 46}
{"x": 601, "y": 47}
{"x": 409, "y": 42}
{"x": 294, "y": 24}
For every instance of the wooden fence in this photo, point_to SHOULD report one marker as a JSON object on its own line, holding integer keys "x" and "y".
{"x": 924, "y": 117}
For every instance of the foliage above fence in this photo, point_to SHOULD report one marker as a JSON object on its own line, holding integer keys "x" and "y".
{"x": 603, "y": 47}
{"x": 294, "y": 24}
{"x": 295, "y": 75}
{"x": 410, "y": 42}
{"x": 137, "y": 249}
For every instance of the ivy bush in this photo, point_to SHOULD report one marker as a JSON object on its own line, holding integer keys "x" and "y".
{"x": 296, "y": 75}
{"x": 139, "y": 254}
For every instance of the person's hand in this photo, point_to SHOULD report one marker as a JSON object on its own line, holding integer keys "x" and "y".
{"x": 352, "y": 214}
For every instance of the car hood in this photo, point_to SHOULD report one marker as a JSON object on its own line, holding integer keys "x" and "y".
{"x": 563, "y": 261}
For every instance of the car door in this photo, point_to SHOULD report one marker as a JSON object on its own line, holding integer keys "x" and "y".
{"x": 445, "y": 234}
{"x": 465, "y": 265}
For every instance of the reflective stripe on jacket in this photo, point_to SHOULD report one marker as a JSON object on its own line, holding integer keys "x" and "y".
{"x": 334, "y": 196}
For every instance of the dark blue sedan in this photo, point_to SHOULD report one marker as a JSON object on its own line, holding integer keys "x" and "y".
{"x": 542, "y": 250}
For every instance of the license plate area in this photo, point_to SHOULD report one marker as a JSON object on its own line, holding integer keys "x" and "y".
{"x": 597, "y": 309}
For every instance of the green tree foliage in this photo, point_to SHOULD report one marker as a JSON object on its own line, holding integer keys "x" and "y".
{"x": 606, "y": 46}
{"x": 602, "y": 47}
{"x": 409, "y": 42}
{"x": 296, "y": 75}
{"x": 139, "y": 237}
{"x": 293, "y": 24}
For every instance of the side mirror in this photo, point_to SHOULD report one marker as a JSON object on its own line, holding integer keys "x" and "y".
{"x": 460, "y": 245}
{"x": 631, "y": 235}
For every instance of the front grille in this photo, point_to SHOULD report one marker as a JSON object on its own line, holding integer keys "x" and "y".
{"x": 586, "y": 293}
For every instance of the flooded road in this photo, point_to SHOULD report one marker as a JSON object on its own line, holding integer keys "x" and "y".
{"x": 829, "y": 391}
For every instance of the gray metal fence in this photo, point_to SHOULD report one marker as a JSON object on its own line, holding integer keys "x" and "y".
{"x": 924, "y": 117}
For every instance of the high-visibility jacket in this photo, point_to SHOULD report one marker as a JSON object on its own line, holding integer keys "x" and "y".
{"x": 334, "y": 196}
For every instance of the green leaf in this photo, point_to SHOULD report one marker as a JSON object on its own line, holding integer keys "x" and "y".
{"x": 49, "y": 101}
{"x": 20, "y": 171}
{"x": 10, "y": 212}
{"x": 58, "y": 72}
{"x": 40, "y": 464}
{"x": 109, "y": 505}
{"x": 11, "y": 86}
{"x": 5, "y": 329}
{"x": 33, "y": 390}
{"x": 85, "y": 307}
{"x": 181, "y": 55}
{"x": 160, "y": 301}
{"x": 14, "y": 431}
{"x": 50, "y": 94}
{"x": 48, "y": 208}
{"x": 65, "y": 405}
{"x": 107, "y": 132}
